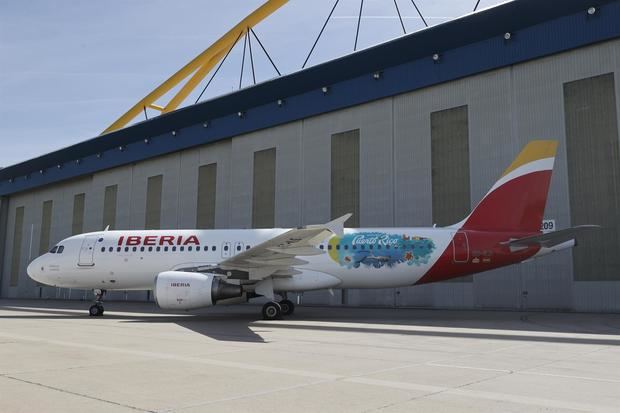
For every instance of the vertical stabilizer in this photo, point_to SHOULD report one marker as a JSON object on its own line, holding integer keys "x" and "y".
{"x": 517, "y": 200}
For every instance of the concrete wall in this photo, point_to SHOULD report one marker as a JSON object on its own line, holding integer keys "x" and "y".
{"x": 506, "y": 109}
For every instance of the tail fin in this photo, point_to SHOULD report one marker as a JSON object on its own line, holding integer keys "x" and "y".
{"x": 517, "y": 201}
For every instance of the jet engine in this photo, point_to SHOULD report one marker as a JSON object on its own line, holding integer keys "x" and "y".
{"x": 176, "y": 290}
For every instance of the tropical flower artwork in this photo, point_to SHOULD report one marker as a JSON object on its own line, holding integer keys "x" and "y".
{"x": 380, "y": 249}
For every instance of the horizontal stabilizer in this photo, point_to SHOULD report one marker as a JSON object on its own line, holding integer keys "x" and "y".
{"x": 551, "y": 239}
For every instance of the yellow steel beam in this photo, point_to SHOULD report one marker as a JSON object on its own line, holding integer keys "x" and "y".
{"x": 194, "y": 81}
{"x": 199, "y": 67}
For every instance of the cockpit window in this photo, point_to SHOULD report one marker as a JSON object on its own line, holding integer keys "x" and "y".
{"x": 53, "y": 250}
{"x": 61, "y": 248}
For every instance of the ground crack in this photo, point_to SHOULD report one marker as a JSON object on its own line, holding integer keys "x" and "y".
{"x": 75, "y": 393}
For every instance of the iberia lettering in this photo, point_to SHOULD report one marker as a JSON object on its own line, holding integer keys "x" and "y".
{"x": 179, "y": 285}
{"x": 150, "y": 240}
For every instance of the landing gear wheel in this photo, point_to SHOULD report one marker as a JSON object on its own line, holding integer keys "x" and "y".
{"x": 95, "y": 310}
{"x": 272, "y": 311}
{"x": 287, "y": 306}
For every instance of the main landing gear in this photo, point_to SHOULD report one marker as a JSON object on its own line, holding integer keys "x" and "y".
{"x": 96, "y": 310}
{"x": 275, "y": 311}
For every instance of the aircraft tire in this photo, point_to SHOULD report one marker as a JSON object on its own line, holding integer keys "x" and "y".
{"x": 95, "y": 310}
{"x": 287, "y": 306}
{"x": 272, "y": 311}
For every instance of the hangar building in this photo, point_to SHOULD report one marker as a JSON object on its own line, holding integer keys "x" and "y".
{"x": 412, "y": 132}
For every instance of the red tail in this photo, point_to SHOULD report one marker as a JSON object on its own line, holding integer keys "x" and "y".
{"x": 517, "y": 201}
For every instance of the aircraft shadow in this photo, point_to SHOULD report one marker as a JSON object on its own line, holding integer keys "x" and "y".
{"x": 242, "y": 323}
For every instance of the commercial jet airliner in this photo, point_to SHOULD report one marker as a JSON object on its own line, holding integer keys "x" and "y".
{"x": 190, "y": 269}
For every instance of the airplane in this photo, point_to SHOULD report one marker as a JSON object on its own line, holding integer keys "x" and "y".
{"x": 191, "y": 269}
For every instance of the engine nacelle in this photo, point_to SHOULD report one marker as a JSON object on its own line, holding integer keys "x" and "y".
{"x": 176, "y": 290}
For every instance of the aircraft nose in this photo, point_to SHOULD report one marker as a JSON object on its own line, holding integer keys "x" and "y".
{"x": 35, "y": 270}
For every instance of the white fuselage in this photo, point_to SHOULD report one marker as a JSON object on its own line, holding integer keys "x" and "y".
{"x": 131, "y": 260}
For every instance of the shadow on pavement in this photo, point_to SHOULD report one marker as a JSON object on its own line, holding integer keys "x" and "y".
{"x": 239, "y": 323}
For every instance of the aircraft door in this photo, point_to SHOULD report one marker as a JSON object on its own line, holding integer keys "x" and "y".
{"x": 87, "y": 251}
{"x": 226, "y": 249}
{"x": 460, "y": 247}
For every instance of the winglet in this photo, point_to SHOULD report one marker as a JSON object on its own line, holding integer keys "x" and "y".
{"x": 336, "y": 226}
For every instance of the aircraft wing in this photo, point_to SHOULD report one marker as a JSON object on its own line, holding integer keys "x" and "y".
{"x": 278, "y": 255}
{"x": 551, "y": 239}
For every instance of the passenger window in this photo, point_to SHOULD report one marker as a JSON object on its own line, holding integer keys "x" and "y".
{"x": 174, "y": 248}
{"x": 126, "y": 249}
{"x": 225, "y": 247}
{"x": 118, "y": 249}
{"x": 53, "y": 250}
{"x": 346, "y": 247}
{"x": 158, "y": 249}
{"x": 213, "y": 248}
{"x": 329, "y": 247}
{"x": 165, "y": 249}
{"x": 238, "y": 247}
{"x": 247, "y": 247}
{"x": 135, "y": 249}
{"x": 110, "y": 249}
{"x": 189, "y": 248}
{"x": 338, "y": 247}
{"x": 141, "y": 249}
{"x": 181, "y": 248}
{"x": 102, "y": 249}
{"x": 150, "y": 249}
{"x": 61, "y": 249}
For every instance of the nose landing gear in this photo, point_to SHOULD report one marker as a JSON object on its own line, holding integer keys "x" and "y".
{"x": 96, "y": 310}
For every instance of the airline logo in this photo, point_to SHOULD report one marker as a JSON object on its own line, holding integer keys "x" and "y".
{"x": 152, "y": 240}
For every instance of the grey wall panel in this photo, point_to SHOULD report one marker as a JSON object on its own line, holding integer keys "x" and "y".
{"x": 264, "y": 188}
{"x": 207, "y": 191}
{"x": 286, "y": 140}
{"x": 18, "y": 235}
{"x": 110, "y": 206}
{"x": 187, "y": 185}
{"x": 345, "y": 176}
{"x": 168, "y": 167}
{"x": 593, "y": 152}
{"x": 121, "y": 177}
{"x": 46, "y": 226}
{"x": 77, "y": 223}
{"x": 152, "y": 214}
{"x": 4, "y": 221}
{"x": 219, "y": 153}
{"x": 450, "y": 165}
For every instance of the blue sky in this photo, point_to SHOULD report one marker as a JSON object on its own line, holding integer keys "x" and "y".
{"x": 69, "y": 68}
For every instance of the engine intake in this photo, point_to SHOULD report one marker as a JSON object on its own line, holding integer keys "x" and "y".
{"x": 176, "y": 290}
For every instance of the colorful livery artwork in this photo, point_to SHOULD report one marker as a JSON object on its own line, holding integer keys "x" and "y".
{"x": 379, "y": 249}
